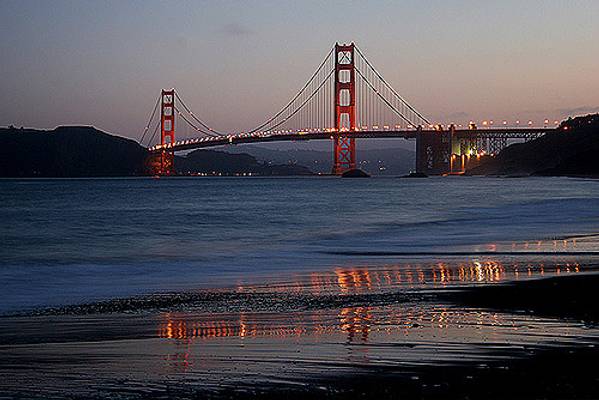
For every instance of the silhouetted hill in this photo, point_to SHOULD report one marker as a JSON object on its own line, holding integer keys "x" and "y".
{"x": 68, "y": 151}
{"x": 383, "y": 161}
{"x": 572, "y": 150}
{"x": 84, "y": 151}
{"x": 214, "y": 162}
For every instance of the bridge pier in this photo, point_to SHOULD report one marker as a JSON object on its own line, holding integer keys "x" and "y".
{"x": 443, "y": 152}
{"x": 160, "y": 163}
{"x": 433, "y": 152}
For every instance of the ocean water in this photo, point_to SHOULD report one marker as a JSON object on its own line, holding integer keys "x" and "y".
{"x": 70, "y": 241}
{"x": 207, "y": 287}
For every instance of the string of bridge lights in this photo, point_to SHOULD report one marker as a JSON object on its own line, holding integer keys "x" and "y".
{"x": 212, "y": 135}
{"x": 230, "y": 138}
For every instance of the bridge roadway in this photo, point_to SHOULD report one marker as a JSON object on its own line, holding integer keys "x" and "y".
{"x": 264, "y": 137}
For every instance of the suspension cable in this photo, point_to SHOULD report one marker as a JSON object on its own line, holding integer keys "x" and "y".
{"x": 154, "y": 134}
{"x": 304, "y": 103}
{"x": 194, "y": 126}
{"x": 382, "y": 98}
{"x": 391, "y": 88}
{"x": 149, "y": 121}
{"x": 294, "y": 97}
{"x": 196, "y": 118}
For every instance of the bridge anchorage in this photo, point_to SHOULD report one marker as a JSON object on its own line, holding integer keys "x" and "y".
{"x": 346, "y": 98}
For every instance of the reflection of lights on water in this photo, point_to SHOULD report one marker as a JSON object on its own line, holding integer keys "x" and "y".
{"x": 347, "y": 280}
{"x": 242, "y": 326}
{"x": 479, "y": 272}
{"x": 364, "y": 279}
{"x": 361, "y": 323}
{"x": 354, "y": 322}
{"x": 548, "y": 246}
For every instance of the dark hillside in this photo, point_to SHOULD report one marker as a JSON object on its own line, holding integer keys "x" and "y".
{"x": 219, "y": 162}
{"x": 68, "y": 151}
{"x": 83, "y": 151}
{"x": 572, "y": 150}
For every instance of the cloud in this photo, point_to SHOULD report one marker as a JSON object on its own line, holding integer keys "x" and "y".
{"x": 236, "y": 29}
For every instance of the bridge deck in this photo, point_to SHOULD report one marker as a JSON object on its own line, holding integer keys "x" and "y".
{"x": 206, "y": 142}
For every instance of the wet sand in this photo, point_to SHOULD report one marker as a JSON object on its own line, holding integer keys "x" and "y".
{"x": 463, "y": 327}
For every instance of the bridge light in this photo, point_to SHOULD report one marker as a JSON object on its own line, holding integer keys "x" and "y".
{"x": 504, "y": 122}
{"x": 529, "y": 122}
{"x": 518, "y": 122}
{"x": 485, "y": 123}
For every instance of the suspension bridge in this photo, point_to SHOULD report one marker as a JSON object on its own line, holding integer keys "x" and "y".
{"x": 345, "y": 99}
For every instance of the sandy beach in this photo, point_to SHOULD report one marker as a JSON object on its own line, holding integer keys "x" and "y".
{"x": 419, "y": 329}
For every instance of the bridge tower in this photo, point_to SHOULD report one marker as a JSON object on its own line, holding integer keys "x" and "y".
{"x": 344, "y": 147}
{"x": 162, "y": 162}
{"x": 165, "y": 163}
{"x": 167, "y": 116}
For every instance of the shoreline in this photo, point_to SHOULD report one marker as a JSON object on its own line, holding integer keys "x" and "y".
{"x": 228, "y": 295}
{"x": 212, "y": 325}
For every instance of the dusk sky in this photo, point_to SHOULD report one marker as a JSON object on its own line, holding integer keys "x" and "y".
{"x": 103, "y": 63}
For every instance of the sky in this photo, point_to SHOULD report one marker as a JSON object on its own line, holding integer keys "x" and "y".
{"x": 235, "y": 63}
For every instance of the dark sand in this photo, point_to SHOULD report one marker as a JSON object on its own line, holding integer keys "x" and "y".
{"x": 532, "y": 338}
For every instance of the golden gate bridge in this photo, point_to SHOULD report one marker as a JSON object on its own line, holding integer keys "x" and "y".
{"x": 345, "y": 99}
